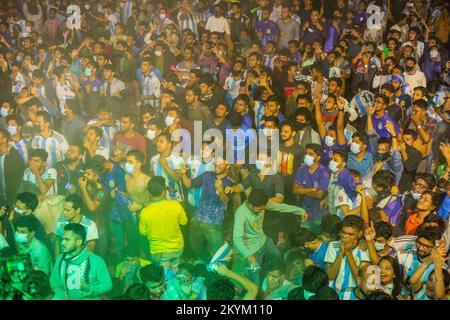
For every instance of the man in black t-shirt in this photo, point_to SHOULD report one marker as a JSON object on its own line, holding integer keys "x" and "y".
{"x": 289, "y": 158}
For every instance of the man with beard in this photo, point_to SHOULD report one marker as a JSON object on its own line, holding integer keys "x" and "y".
{"x": 290, "y": 156}
{"x": 51, "y": 141}
{"x": 161, "y": 284}
{"x": 94, "y": 197}
{"x": 209, "y": 94}
{"x": 378, "y": 121}
{"x": 77, "y": 271}
{"x": 70, "y": 170}
{"x": 418, "y": 261}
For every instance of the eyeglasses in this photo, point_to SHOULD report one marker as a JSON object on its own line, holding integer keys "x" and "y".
{"x": 423, "y": 245}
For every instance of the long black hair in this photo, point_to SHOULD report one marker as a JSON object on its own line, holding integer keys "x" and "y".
{"x": 398, "y": 276}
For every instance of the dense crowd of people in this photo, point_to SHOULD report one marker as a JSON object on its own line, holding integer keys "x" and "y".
{"x": 219, "y": 150}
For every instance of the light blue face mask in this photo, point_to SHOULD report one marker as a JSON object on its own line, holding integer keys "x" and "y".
{"x": 259, "y": 165}
{"x": 87, "y": 72}
{"x": 309, "y": 161}
{"x": 19, "y": 211}
{"x": 379, "y": 246}
{"x": 210, "y": 167}
{"x": 151, "y": 134}
{"x": 20, "y": 238}
{"x": 333, "y": 166}
{"x": 267, "y": 132}
{"x": 12, "y": 130}
{"x": 415, "y": 195}
{"x": 128, "y": 168}
{"x": 4, "y": 112}
{"x": 329, "y": 141}
{"x": 169, "y": 121}
{"x": 355, "y": 148}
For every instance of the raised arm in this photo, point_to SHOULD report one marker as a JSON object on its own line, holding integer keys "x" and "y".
{"x": 250, "y": 288}
{"x": 318, "y": 115}
{"x": 340, "y": 124}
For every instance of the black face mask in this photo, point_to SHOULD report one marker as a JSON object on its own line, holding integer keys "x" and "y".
{"x": 118, "y": 53}
{"x": 382, "y": 156}
{"x": 235, "y": 73}
{"x": 409, "y": 69}
{"x": 383, "y": 194}
{"x": 302, "y": 126}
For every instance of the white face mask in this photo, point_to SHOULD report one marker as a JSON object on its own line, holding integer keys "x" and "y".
{"x": 329, "y": 141}
{"x": 19, "y": 211}
{"x": 128, "y": 168}
{"x": 210, "y": 167}
{"x": 20, "y": 238}
{"x": 169, "y": 121}
{"x": 27, "y": 29}
{"x": 379, "y": 246}
{"x": 162, "y": 16}
{"x": 268, "y": 132}
{"x": 12, "y": 130}
{"x": 4, "y": 112}
{"x": 151, "y": 134}
{"x": 434, "y": 53}
{"x": 158, "y": 53}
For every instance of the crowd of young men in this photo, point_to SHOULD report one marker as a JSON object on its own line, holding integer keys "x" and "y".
{"x": 351, "y": 184}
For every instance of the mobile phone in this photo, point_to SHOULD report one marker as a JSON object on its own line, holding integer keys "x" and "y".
{"x": 405, "y": 292}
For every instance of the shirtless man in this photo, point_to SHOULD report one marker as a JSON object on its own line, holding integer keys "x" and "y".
{"x": 136, "y": 180}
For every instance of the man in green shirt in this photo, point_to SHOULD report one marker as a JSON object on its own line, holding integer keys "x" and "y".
{"x": 248, "y": 235}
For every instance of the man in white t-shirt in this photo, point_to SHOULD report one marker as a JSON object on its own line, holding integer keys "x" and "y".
{"x": 217, "y": 22}
{"x": 168, "y": 165}
{"x": 413, "y": 76}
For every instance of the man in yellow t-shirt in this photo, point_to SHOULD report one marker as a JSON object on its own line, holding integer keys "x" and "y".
{"x": 160, "y": 222}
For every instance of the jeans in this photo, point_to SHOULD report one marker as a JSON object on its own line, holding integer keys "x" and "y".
{"x": 264, "y": 257}
{"x": 125, "y": 231}
{"x": 201, "y": 231}
{"x": 101, "y": 246}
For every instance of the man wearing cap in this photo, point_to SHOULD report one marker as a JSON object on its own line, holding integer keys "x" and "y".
{"x": 401, "y": 27}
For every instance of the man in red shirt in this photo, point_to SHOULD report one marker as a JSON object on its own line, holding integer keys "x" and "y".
{"x": 51, "y": 27}
{"x": 127, "y": 138}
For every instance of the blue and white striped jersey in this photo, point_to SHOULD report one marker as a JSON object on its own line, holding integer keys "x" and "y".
{"x": 344, "y": 279}
{"x": 22, "y": 147}
{"x": 56, "y": 146}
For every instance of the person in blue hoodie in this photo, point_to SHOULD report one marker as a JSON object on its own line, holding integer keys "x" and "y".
{"x": 81, "y": 274}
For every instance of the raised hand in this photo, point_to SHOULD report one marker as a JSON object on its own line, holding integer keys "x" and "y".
{"x": 390, "y": 128}
{"x": 370, "y": 233}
